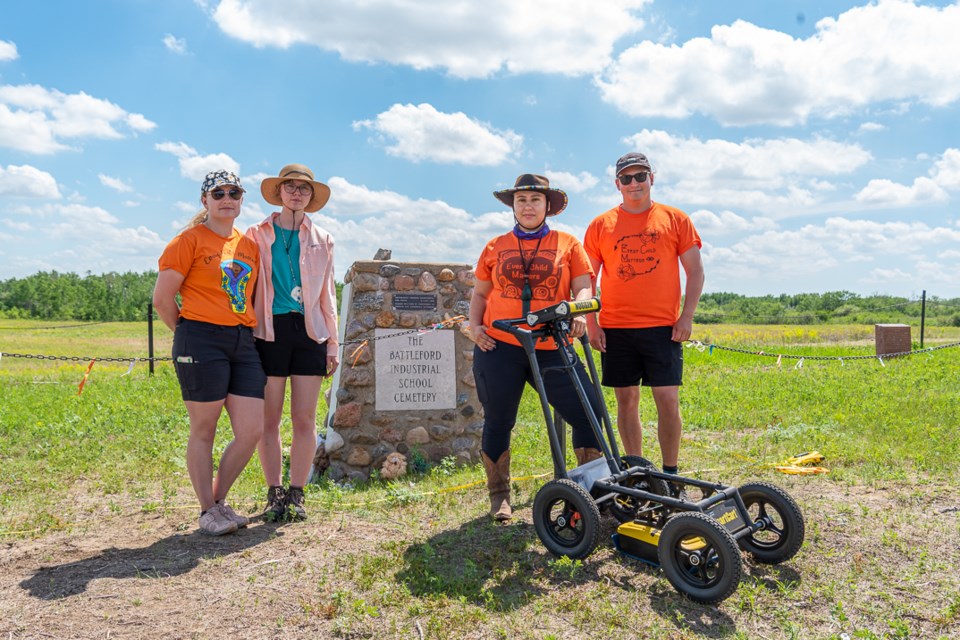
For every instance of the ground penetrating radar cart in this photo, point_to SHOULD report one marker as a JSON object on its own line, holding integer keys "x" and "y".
{"x": 697, "y": 543}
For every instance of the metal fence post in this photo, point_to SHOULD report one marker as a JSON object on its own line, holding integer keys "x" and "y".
{"x": 150, "y": 334}
{"x": 923, "y": 314}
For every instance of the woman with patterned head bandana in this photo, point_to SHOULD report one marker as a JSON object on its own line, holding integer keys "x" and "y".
{"x": 214, "y": 268}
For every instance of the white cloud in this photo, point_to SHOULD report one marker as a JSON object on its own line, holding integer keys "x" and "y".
{"x": 468, "y": 39}
{"x": 744, "y": 74}
{"x": 194, "y": 166}
{"x": 944, "y": 176}
{"x": 25, "y": 181}
{"x": 175, "y": 44}
{"x": 420, "y": 132}
{"x": 818, "y": 250}
{"x": 571, "y": 183}
{"x": 362, "y": 220}
{"x": 756, "y": 174}
{"x": 709, "y": 223}
{"x": 95, "y": 239}
{"x": 114, "y": 183}
{"x": 130, "y": 203}
{"x": 37, "y": 120}
{"x": 869, "y": 127}
{"x": 8, "y": 51}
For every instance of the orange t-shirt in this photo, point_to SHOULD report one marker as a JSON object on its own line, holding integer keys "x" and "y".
{"x": 640, "y": 267}
{"x": 552, "y": 266}
{"x": 219, "y": 275}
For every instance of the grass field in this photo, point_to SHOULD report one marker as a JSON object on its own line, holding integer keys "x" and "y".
{"x": 97, "y": 518}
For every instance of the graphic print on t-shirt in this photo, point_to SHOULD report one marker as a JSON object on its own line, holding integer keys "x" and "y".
{"x": 236, "y": 276}
{"x": 543, "y": 273}
{"x": 638, "y": 254}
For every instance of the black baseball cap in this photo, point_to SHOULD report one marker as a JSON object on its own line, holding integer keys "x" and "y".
{"x": 633, "y": 160}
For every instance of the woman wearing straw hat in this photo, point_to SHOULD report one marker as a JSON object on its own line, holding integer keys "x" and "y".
{"x": 528, "y": 268}
{"x": 214, "y": 268}
{"x": 296, "y": 328}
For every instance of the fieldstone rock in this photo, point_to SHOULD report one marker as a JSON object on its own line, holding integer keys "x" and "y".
{"x": 368, "y": 301}
{"x": 355, "y": 329}
{"x": 391, "y": 435}
{"x": 467, "y": 355}
{"x": 475, "y": 428}
{"x": 417, "y": 436}
{"x": 439, "y": 452}
{"x": 439, "y": 431}
{"x": 385, "y": 319}
{"x": 467, "y": 277}
{"x": 403, "y": 283}
{"x": 468, "y": 379}
{"x": 336, "y": 472}
{"x": 362, "y": 437}
{"x": 427, "y": 282}
{"x": 462, "y": 308}
{"x": 359, "y": 457}
{"x": 463, "y": 444}
{"x": 382, "y": 254}
{"x": 366, "y": 282}
{"x": 348, "y": 415}
{"x": 446, "y": 275}
{"x": 467, "y": 411}
{"x": 409, "y": 320}
{"x": 389, "y": 270}
{"x": 343, "y": 395}
{"x": 359, "y": 378}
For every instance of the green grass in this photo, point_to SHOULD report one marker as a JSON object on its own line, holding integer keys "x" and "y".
{"x": 874, "y": 564}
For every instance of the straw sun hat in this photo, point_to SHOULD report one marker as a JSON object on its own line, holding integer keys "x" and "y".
{"x": 270, "y": 187}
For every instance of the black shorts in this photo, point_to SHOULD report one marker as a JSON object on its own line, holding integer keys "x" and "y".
{"x": 642, "y": 356}
{"x": 213, "y": 360}
{"x": 292, "y": 352}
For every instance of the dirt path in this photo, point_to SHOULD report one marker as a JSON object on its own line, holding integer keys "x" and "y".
{"x": 874, "y": 558}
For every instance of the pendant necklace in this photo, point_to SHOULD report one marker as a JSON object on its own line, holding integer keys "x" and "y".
{"x": 297, "y": 292}
{"x": 527, "y": 294}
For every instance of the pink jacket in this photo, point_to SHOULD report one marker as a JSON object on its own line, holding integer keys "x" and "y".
{"x": 316, "y": 273}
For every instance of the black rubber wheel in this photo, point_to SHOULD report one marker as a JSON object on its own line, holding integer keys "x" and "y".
{"x": 566, "y": 519}
{"x": 625, "y": 508}
{"x": 699, "y": 557}
{"x": 783, "y": 530}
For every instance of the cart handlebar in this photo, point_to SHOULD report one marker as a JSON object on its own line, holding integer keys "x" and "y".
{"x": 561, "y": 311}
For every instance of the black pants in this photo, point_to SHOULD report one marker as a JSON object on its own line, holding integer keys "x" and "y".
{"x": 501, "y": 376}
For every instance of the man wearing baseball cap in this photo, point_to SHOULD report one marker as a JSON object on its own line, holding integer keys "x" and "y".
{"x": 637, "y": 249}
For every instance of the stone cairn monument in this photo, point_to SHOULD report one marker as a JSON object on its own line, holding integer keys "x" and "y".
{"x": 405, "y": 382}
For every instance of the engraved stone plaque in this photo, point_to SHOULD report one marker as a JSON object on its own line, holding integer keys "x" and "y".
{"x": 415, "y": 302}
{"x": 415, "y": 370}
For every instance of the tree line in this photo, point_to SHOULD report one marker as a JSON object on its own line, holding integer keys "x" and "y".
{"x": 113, "y": 297}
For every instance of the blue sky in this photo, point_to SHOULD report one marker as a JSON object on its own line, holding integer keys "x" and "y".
{"x": 813, "y": 143}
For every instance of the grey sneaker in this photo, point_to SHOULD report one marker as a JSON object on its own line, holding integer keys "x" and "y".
{"x": 276, "y": 510}
{"x": 295, "y": 500}
{"x": 214, "y": 522}
{"x": 242, "y": 521}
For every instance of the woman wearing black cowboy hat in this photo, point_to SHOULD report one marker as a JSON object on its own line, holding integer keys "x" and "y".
{"x": 296, "y": 332}
{"x": 528, "y": 268}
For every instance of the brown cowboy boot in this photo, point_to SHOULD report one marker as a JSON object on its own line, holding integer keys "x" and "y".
{"x": 586, "y": 454}
{"x": 498, "y": 483}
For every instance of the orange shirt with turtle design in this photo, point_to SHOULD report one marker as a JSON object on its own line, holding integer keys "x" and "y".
{"x": 551, "y": 266}
{"x": 640, "y": 268}
{"x": 219, "y": 275}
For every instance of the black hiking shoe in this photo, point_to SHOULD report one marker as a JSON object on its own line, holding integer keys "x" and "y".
{"x": 295, "y": 500}
{"x": 276, "y": 510}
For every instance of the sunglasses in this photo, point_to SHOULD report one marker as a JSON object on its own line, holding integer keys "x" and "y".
{"x": 639, "y": 177}
{"x": 304, "y": 189}
{"x": 235, "y": 194}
